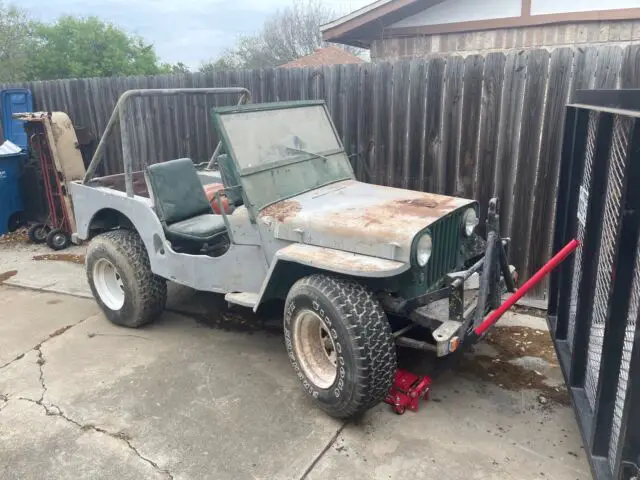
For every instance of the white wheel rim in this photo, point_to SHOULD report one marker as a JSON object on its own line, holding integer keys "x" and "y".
{"x": 108, "y": 283}
{"x": 315, "y": 349}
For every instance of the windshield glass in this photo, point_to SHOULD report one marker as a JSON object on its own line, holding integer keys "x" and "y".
{"x": 259, "y": 138}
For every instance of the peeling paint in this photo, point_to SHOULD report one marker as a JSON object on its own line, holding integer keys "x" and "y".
{"x": 281, "y": 211}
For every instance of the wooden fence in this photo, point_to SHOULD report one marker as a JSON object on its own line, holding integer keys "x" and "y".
{"x": 474, "y": 126}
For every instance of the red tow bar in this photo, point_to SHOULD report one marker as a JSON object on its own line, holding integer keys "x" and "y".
{"x": 408, "y": 388}
{"x": 522, "y": 291}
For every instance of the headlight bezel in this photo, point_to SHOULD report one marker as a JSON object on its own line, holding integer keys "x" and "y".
{"x": 469, "y": 226}
{"x": 423, "y": 250}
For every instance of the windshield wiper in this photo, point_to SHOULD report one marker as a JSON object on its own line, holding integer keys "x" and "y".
{"x": 299, "y": 150}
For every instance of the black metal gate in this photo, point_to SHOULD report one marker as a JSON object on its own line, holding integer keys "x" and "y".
{"x": 594, "y": 299}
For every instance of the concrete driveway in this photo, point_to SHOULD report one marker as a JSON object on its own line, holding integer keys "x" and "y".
{"x": 212, "y": 395}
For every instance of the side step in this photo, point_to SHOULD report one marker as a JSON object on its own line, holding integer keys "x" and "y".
{"x": 244, "y": 299}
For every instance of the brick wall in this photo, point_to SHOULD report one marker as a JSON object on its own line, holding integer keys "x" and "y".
{"x": 620, "y": 33}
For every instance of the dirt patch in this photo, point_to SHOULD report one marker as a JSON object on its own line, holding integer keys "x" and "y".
{"x": 7, "y": 275}
{"x": 512, "y": 377}
{"x": 13, "y": 238}
{"x": 516, "y": 342}
{"x": 61, "y": 257}
{"x": 512, "y": 343}
{"x": 282, "y": 210}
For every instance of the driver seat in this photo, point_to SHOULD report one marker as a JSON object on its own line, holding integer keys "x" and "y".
{"x": 181, "y": 204}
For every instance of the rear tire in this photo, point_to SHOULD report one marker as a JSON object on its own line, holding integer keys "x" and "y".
{"x": 338, "y": 322}
{"x": 121, "y": 280}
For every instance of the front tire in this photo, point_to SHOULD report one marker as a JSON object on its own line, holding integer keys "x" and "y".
{"x": 121, "y": 280}
{"x": 340, "y": 344}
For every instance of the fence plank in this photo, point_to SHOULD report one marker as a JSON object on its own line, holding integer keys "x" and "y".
{"x": 471, "y": 98}
{"x": 509, "y": 134}
{"x": 560, "y": 71}
{"x": 432, "y": 169}
{"x": 630, "y": 75}
{"x": 529, "y": 155}
{"x": 451, "y": 120}
{"x": 489, "y": 126}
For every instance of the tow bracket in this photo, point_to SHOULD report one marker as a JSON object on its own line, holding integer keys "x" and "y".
{"x": 406, "y": 391}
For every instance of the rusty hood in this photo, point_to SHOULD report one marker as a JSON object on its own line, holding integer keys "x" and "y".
{"x": 359, "y": 217}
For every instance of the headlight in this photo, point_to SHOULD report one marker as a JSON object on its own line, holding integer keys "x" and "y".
{"x": 469, "y": 221}
{"x": 423, "y": 250}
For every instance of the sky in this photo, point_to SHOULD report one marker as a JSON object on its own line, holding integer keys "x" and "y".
{"x": 188, "y": 31}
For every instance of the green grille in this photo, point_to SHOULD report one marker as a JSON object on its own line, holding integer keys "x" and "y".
{"x": 446, "y": 235}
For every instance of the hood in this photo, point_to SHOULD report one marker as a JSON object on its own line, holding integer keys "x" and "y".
{"x": 359, "y": 217}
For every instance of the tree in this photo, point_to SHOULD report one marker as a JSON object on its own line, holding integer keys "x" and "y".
{"x": 88, "y": 47}
{"x": 177, "y": 69}
{"x": 15, "y": 34}
{"x": 287, "y": 35}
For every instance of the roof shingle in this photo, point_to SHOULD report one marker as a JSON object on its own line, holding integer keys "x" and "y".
{"x": 324, "y": 56}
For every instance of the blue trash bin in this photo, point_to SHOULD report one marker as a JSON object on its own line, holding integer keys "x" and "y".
{"x": 12, "y": 101}
{"x": 10, "y": 192}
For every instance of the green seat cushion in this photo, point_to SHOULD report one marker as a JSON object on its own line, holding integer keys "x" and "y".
{"x": 202, "y": 228}
{"x": 177, "y": 191}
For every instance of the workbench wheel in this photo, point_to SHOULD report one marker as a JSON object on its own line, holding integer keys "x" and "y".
{"x": 399, "y": 410}
{"x": 58, "y": 239}
{"x": 38, "y": 233}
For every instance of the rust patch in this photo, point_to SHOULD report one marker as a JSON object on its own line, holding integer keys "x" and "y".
{"x": 61, "y": 257}
{"x": 281, "y": 211}
{"x": 419, "y": 202}
{"x": 390, "y": 220}
{"x": 345, "y": 260}
{"x": 428, "y": 205}
{"x": 7, "y": 275}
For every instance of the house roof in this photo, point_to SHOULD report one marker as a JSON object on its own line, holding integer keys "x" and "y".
{"x": 360, "y": 27}
{"x": 330, "y": 55}
{"x": 378, "y": 20}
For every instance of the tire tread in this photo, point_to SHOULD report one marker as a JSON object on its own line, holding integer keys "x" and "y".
{"x": 371, "y": 335}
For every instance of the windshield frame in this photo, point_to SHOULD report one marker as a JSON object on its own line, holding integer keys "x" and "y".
{"x": 218, "y": 113}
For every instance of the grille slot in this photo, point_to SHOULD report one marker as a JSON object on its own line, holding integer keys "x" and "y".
{"x": 446, "y": 235}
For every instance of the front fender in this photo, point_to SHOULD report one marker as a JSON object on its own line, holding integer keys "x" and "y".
{"x": 327, "y": 260}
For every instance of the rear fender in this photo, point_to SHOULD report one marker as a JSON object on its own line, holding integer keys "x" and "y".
{"x": 298, "y": 260}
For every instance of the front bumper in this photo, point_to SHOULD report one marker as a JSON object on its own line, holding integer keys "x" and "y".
{"x": 454, "y": 310}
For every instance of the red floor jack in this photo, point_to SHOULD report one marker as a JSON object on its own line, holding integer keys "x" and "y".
{"x": 408, "y": 388}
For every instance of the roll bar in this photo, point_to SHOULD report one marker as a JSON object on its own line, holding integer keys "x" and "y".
{"x": 118, "y": 115}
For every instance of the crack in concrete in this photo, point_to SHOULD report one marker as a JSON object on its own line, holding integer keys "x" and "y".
{"x": 49, "y": 410}
{"x": 14, "y": 360}
{"x": 4, "y": 398}
{"x": 55, "y": 334}
{"x": 326, "y": 448}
